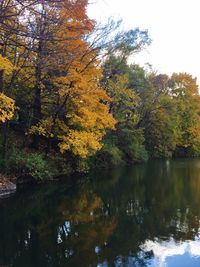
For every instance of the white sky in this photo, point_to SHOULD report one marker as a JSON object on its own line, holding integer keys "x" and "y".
{"x": 173, "y": 25}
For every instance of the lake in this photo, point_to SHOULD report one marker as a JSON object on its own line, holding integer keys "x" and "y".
{"x": 145, "y": 215}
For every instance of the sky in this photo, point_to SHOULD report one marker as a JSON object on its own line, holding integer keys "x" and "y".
{"x": 173, "y": 26}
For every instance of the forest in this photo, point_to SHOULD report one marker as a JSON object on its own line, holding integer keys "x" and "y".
{"x": 71, "y": 101}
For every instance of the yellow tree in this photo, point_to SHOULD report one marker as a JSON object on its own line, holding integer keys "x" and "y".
{"x": 6, "y": 67}
{"x": 7, "y": 105}
{"x": 82, "y": 116}
{"x": 77, "y": 104}
{"x": 88, "y": 115}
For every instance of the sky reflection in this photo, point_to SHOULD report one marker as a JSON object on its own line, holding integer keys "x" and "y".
{"x": 170, "y": 253}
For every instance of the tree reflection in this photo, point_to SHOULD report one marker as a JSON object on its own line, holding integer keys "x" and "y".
{"x": 105, "y": 220}
{"x": 158, "y": 201}
{"x": 54, "y": 229}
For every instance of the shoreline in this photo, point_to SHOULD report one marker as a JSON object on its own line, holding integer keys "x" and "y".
{"x": 7, "y": 185}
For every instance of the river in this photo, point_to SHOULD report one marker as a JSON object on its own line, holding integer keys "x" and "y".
{"x": 145, "y": 215}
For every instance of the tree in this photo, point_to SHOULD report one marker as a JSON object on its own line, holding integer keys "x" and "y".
{"x": 7, "y": 107}
{"x": 128, "y": 138}
{"x": 79, "y": 114}
{"x": 158, "y": 116}
{"x": 161, "y": 129}
{"x": 184, "y": 90}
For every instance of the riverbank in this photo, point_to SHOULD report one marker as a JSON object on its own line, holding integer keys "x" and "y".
{"x": 7, "y": 185}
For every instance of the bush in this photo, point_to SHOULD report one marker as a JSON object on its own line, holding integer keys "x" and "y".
{"x": 109, "y": 156}
{"x": 33, "y": 164}
{"x": 136, "y": 153}
{"x": 82, "y": 166}
{"x": 131, "y": 142}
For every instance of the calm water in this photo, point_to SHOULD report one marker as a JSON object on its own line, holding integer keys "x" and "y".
{"x": 147, "y": 215}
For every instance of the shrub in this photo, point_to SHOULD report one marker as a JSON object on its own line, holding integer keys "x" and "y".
{"x": 136, "y": 153}
{"x": 33, "y": 164}
{"x": 109, "y": 156}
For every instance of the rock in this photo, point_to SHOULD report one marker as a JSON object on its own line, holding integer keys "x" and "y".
{"x": 7, "y": 188}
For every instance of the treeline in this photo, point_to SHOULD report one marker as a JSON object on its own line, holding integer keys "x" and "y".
{"x": 70, "y": 101}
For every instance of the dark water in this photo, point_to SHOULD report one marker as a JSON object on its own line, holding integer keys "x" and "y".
{"x": 147, "y": 215}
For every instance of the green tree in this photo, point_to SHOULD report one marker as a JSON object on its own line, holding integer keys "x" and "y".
{"x": 184, "y": 90}
{"x": 128, "y": 138}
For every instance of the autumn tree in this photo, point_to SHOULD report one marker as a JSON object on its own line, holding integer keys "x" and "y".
{"x": 79, "y": 114}
{"x": 7, "y": 105}
{"x": 13, "y": 55}
{"x": 6, "y": 67}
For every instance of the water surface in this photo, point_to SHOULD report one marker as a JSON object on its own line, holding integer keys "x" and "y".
{"x": 146, "y": 215}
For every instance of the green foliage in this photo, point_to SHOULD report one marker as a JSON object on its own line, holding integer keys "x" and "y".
{"x": 132, "y": 145}
{"x": 58, "y": 95}
{"x": 109, "y": 156}
{"x": 161, "y": 131}
{"x": 34, "y": 164}
{"x": 82, "y": 166}
{"x": 137, "y": 153}
{"x": 156, "y": 110}
{"x": 125, "y": 101}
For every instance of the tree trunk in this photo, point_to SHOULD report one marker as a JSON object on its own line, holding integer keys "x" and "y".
{"x": 1, "y": 71}
{"x": 37, "y": 114}
{"x": 1, "y": 81}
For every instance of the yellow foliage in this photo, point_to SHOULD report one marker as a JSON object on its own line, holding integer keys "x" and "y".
{"x": 5, "y": 65}
{"x": 88, "y": 114}
{"x": 43, "y": 128}
{"x": 7, "y": 108}
{"x": 81, "y": 115}
{"x": 81, "y": 143}
{"x": 84, "y": 206}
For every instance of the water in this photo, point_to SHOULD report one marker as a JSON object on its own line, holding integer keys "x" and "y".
{"x": 146, "y": 215}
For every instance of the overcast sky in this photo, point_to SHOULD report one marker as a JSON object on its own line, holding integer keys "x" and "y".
{"x": 173, "y": 25}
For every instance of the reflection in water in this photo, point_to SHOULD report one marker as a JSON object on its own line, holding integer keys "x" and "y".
{"x": 147, "y": 215}
{"x": 164, "y": 249}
